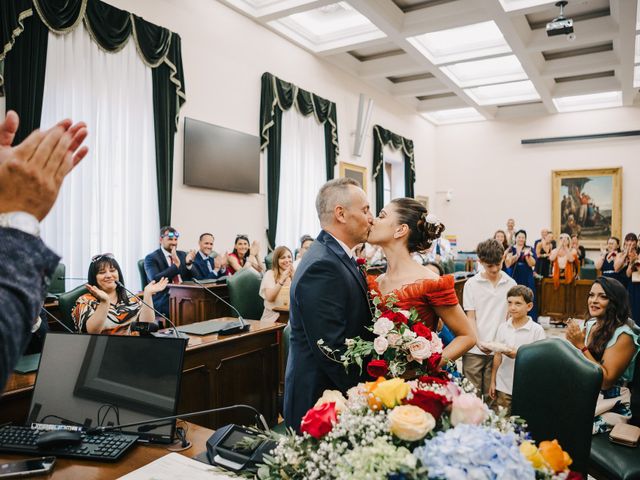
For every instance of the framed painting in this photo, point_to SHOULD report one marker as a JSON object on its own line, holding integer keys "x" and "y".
{"x": 587, "y": 203}
{"x": 356, "y": 172}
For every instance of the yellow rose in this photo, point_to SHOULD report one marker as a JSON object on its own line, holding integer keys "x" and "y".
{"x": 555, "y": 457}
{"x": 391, "y": 392}
{"x": 335, "y": 396}
{"x": 410, "y": 423}
{"x": 531, "y": 453}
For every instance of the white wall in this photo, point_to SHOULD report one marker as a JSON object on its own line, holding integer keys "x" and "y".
{"x": 224, "y": 55}
{"x": 494, "y": 177}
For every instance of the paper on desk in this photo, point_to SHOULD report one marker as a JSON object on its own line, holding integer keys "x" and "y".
{"x": 177, "y": 467}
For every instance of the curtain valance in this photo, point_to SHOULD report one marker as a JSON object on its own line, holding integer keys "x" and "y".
{"x": 382, "y": 137}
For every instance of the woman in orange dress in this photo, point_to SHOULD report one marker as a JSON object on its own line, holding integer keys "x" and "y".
{"x": 403, "y": 227}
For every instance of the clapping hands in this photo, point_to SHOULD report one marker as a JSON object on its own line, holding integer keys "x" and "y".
{"x": 154, "y": 287}
{"x": 100, "y": 295}
{"x": 575, "y": 334}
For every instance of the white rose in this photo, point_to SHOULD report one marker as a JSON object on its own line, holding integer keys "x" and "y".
{"x": 380, "y": 344}
{"x": 394, "y": 339}
{"x": 329, "y": 396}
{"x": 406, "y": 313}
{"x": 409, "y": 334}
{"x": 349, "y": 342}
{"x": 436, "y": 344}
{"x": 382, "y": 326}
{"x": 419, "y": 348}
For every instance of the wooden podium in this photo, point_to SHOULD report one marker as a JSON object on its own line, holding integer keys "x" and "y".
{"x": 190, "y": 302}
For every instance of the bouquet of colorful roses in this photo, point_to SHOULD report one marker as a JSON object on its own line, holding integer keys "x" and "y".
{"x": 430, "y": 427}
{"x": 402, "y": 342}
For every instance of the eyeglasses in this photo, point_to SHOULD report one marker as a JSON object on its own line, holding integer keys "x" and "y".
{"x": 101, "y": 256}
{"x": 171, "y": 235}
{"x": 242, "y": 236}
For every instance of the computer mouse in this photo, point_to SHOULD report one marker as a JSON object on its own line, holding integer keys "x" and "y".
{"x": 58, "y": 438}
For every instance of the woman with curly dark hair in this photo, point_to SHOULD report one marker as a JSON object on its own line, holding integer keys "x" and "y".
{"x": 610, "y": 341}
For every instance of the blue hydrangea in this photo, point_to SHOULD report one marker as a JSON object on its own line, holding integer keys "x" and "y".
{"x": 470, "y": 452}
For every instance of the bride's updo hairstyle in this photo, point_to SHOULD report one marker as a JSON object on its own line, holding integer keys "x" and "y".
{"x": 424, "y": 228}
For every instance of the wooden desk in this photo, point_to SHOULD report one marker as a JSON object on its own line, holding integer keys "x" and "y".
{"x": 568, "y": 301}
{"x": 138, "y": 456}
{"x": 189, "y": 302}
{"x": 217, "y": 372}
{"x": 284, "y": 314}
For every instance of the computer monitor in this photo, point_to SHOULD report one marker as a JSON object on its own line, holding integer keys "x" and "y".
{"x": 94, "y": 380}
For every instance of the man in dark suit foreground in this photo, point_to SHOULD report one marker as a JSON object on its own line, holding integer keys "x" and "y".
{"x": 167, "y": 261}
{"x": 328, "y": 299}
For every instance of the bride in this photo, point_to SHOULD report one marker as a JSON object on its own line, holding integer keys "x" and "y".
{"x": 403, "y": 227}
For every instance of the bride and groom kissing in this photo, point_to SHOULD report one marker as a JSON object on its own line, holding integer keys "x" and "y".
{"x": 330, "y": 294}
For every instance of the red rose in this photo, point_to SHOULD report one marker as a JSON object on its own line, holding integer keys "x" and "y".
{"x": 422, "y": 330}
{"x": 433, "y": 362}
{"x": 319, "y": 421}
{"x": 395, "y": 317}
{"x": 574, "y": 476}
{"x": 361, "y": 261}
{"x": 378, "y": 368}
{"x": 430, "y": 380}
{"x": 430, "y": 402}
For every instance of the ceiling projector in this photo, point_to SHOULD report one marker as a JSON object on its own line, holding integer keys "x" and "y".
{"x": 560, "y": 25}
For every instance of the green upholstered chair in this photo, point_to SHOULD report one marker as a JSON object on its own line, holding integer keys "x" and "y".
{"x": 268, "y": 260}
{"x": 284, "y": 344}
{"x": 449, "y": 266}
{"x": 588, "y": 261}
{"x": 555, "y": 390}
{"x": 588, "y": 272}
{"x": 143, "y": 274}
{"x": 244, "y": 288}
{"x": 56, "y": 286}
{"x": 67, "y": 301}
{"x": 617, "y": 462}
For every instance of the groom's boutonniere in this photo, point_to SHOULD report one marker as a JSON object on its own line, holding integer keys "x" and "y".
{"x": 362, "y": 266}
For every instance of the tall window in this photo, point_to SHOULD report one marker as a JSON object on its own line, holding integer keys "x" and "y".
{"x": 393, "y": 180}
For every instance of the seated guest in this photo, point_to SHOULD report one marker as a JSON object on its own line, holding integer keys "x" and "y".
{"x": 243, "y": 256}
{"x": 276, "y": 282}
{"x": 440, "y": 251}
{"x": 206, "y": 267}
{"x": 168, "y": 262}
{"x": 564, "y": 261}
{"x": 578, "y": 249}
{"x": 610, "y": 341}
{"x": 108, "y": 308}
{"x": 621, "y": 262}
{"x": 305, "y": 243}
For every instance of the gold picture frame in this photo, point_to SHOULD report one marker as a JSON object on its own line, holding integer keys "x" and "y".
{"x": 355, "y": 172}
{"x": 587, "y": 202}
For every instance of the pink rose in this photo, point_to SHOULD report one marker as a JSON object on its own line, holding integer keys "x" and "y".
{"x": 419, "y": 349}
{"x": 467, "y": 408}
{"x": 394, "y": 339}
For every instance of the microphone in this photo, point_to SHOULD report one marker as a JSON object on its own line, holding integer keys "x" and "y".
{"x": 73, "y": 278}
{"x": 175, "y": 330}
{"x": 150, "y": 424}
{"x": 231, "y": 329}
{"x": 59, "y": 322}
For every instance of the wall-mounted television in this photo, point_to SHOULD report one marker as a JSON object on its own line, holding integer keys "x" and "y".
{"x": 220, "y": 158}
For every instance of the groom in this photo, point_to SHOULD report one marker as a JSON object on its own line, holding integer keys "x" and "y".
{"x": 328, "y": 299}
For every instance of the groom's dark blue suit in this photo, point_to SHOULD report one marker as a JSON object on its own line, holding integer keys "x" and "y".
{"x": 328, "y": 302}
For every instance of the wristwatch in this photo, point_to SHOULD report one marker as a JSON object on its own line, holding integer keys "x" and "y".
{"x": 21, "y": 221}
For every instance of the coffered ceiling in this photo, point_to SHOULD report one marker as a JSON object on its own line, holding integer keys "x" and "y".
{"x": 466, "y": 60}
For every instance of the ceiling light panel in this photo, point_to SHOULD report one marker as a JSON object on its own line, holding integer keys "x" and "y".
{"x": 591, "y": 101}
{"x": 453, "y": 115}
{"x": 462, "y": 43}
{"x": 258, "y": 8}
{"x": 504, "y": 94}
{"x": 511, "y": 5}
{"x": 327, "y": 27}
{"x": 484, "y": 72}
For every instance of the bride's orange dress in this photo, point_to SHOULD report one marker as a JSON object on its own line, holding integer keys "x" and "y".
{"x": 424, "y": 295}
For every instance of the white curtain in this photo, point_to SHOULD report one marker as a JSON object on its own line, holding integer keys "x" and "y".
{"x": 302, "y": 172}
{"x": 108, "y": 204}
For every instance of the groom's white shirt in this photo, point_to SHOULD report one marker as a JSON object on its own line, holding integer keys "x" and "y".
{"x": 344, "y": 246}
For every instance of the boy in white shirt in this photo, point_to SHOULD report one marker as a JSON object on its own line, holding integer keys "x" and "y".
{"x": 518, "y": 330}
{"x": 483, "y": 302}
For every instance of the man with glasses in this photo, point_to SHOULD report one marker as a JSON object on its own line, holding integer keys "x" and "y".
{"x": 169, "y": 262}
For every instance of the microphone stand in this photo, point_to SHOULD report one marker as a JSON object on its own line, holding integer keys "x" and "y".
{"x": 230, "y": 330}
{"x": 59, "y": 322}
{"x": 175, "y": 330}
{"x": 151, "y": 422}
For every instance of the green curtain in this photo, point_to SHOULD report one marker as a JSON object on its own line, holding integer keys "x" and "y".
{"x": 24, "y": 36}
{"x": 24, "y": 28}
{"x": 382, "y": 137}
{"x": 278, "y": 96}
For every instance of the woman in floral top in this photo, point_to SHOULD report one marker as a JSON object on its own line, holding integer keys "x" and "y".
{"x": 108, "y": 308}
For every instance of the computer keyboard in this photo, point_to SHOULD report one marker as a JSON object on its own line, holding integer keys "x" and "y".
{"x": 106, "y": 447}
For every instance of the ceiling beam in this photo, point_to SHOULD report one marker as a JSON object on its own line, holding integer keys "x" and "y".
{"x": 442, "y": 17}
{"x": 624, "y": 12}
{"x": 580, "y": 65}
{"x": 581, "y": 87}
{"x": 388, "y": 66}
{"x": 276, "y": 11}
{"x": 444, "y": 103}
{"x": 414, "y": 88}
